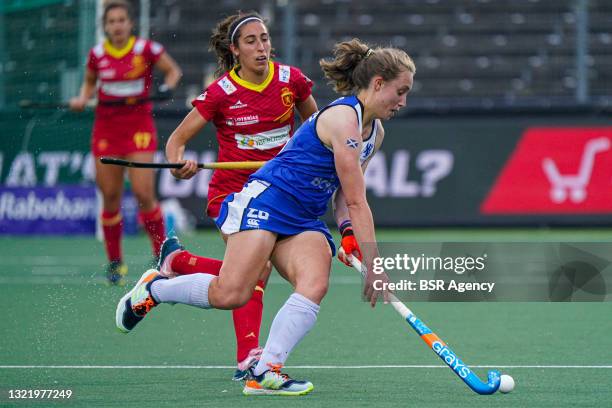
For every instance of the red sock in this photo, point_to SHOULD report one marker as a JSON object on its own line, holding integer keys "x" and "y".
{"x": 247, "y": 320}
{"x": 112, "y": 225}
{"x": 153, "y": 222}
{"x": 186, "y": 263}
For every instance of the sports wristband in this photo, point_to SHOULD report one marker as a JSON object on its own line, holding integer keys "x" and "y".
{"x": 346, "y": 228}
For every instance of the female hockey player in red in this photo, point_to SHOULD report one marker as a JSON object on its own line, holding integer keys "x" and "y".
{"x": 120, "y": 69}
{"x": 252, "y": 104}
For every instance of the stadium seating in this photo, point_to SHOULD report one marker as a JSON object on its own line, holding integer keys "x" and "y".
{"x": 40, "y": 44}
{"x": 506, "y": 51}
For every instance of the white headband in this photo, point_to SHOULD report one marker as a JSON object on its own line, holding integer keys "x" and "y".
{"x": 241, "y": 23}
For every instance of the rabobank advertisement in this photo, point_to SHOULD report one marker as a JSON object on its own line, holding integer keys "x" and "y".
{"x": 515, "y": 174}
{"x": 56, "y": 210}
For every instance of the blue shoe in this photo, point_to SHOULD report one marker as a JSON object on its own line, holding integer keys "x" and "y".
{"x": 169, "y": 249}
{"x": 135, "y": 304}
{"x": 273, "y": 382}
{"x": 116, "y": 271}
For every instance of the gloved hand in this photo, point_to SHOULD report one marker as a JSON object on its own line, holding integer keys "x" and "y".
{"x": 348, "y": 245}
{"x": 163, "y": 92}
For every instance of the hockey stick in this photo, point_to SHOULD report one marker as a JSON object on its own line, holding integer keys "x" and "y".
{"x": 241, "y": 165}
{"x": 30, "y": 104}
{"x": 438, "y": 346}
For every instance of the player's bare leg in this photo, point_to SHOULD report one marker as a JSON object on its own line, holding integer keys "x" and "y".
{"x": 247, "y": 324}
{"x": 305, "y": 261}
{"x": 246, "y": 254}
{"x": 175, "y": 260}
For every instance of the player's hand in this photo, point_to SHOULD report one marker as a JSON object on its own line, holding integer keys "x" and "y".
{"x": 189, "y": 169}
{"x": 378, "y": 280}
{"x": 77, "y": 104}
{"x": 349, "y": 246}
{"x": 163, "y": 92}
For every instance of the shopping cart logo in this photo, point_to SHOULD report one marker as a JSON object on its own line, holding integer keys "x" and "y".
{"x": 555, "y": 170}
{"x": 574, "y": 186}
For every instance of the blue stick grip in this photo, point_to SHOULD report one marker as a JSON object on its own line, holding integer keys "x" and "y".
{"x": 450, "y": 358}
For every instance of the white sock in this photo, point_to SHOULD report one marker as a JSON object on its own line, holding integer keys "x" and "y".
{"x": 186, "y": 289}
{"x": 292, "y": 322}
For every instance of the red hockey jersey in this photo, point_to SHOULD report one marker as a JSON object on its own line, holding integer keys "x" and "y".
{"x": 253, "y": 121}
{"x": 125, "y": 73}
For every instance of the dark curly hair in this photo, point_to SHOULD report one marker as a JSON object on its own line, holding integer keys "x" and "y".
{"x": 220, "y": 39}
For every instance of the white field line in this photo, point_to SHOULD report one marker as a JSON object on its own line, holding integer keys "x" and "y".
{"x": 314, "y": 367}
{"x": 58, "y": 277}
{"x": 54, "y": 260}
{"x": 79, "y": 270}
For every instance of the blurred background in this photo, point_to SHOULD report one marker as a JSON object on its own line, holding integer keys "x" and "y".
{"x": 508, "y": 123}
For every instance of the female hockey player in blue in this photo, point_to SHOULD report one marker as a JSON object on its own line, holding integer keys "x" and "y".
{"x": 276, "y": 215}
